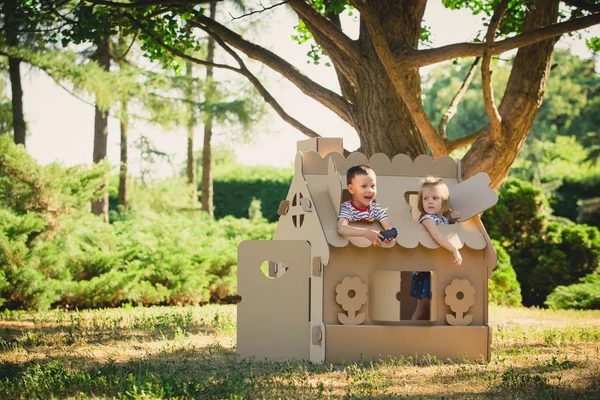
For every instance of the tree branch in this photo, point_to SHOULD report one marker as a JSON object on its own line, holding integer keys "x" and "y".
{"x": 242, "y": 71}
{"x": 454, "y": 144}
{"x": 329, "y": 32}
{"x": 266, "y": 95}
{"x": 486, "y": 73}
{"x": 327, "y": 97}
{"x": 349, "y": 89}
{"x": 584, "y": 5}
{"x": 259, "y": 11}
{"x": 149, "y": 3}
{"x": 421, "y": 58}
{"x": 413, "y": 102}
{"x": 173, "y": 50}
{"x": 457, "y": 98}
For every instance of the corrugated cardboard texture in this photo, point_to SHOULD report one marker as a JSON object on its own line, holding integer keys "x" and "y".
{"x": 473, "y": 196}
{"x": 273, "y": 316}
{"x": 368, "y": 264}
{"x": 299, "y": 224}
{"x": 325, "y": 180}
{"x": 355, "y": 343}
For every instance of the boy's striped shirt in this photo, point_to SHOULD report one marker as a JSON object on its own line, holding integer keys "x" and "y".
{"x": 354, "y": 214}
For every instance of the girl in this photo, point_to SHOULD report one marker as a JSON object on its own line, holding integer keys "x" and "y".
{"x": 434, "y": 205}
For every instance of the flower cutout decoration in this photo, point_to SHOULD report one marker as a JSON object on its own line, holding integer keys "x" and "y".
{"x": 351, "y": 295}
{"x": 460, "y": 295}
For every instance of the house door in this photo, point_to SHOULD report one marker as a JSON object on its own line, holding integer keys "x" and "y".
{"x": 273, "y": 315}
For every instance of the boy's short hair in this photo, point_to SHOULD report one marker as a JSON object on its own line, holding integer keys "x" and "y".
{"x": 431, "y": 181}
{"x": 358, "y": 170}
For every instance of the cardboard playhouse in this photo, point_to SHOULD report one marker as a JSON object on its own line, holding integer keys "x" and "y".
{"x": 311, "y": 294}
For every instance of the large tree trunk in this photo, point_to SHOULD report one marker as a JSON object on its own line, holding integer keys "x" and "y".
{"x": 381, "y": 119}
{"x": 207, "y": 180}
{"x": 100, "y": 206}
{"x": 123, "y": 187}
{"x": 191, "y": 123}
{"x": 14, "y": 71}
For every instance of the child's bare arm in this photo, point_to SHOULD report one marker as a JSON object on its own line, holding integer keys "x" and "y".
{"x": 345, "y": 229}
{"x": 442, "y": 240}
{"x": 386, "y": 224}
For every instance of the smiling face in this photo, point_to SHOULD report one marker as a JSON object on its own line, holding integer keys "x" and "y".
{"x": 363, "y": 190}
{"x": 432, "y": 200}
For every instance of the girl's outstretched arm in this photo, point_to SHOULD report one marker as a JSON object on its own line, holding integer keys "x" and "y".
{"x": 442, "y": 240}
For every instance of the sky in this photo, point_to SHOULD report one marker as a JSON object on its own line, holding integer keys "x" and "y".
{"x": 61, "y": 126}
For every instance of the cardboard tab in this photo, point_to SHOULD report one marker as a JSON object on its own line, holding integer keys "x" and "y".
{"x": 317, "y": 267}
{"x": 284, "y": 207}
{"x": 473, "y": 196}
{"x": 317, "y": 335}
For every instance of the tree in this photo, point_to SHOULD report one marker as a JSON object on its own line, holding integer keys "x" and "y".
{"x": 207, "y": 180}
{"x": 378, "y": 72}
{"x": 11, "y": 25}
{"x": 191, "y": 166}
{"x": 123, "y": 197}
{"x": 102, "y": 57}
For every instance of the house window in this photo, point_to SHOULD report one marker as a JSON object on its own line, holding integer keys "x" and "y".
{"x": 412, "y": 199}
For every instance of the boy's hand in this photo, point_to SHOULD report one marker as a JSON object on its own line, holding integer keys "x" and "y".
{"x": 374, "y": 236}
{"x": 457, "y": 258}
{"x": 455, "y": 214}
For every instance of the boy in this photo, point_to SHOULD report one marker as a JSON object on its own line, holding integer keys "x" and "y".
{"x": 362, "y": 186}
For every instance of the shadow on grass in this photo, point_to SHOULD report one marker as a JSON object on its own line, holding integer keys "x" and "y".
{"x": 181, "y": 370}
{"x": 31, "y": 337}
{"x": 212, "y": 372}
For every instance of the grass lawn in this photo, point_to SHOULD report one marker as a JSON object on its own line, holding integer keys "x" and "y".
{"x": 189, "y": 352}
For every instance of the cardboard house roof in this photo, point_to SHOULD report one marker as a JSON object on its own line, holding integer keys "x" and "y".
{"x": 322, "y": 178}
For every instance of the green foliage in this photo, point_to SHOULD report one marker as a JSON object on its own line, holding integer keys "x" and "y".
{"x": 503, "y": 287}
{"x": 569, "y": 199}
{"x": 54, "y": 252}
{"x": 564, "y": 171}
{"x": 254, "y": 211}
{"x": 584, "y": 295}
{"x": 6, "y": 120}
{"x": 518, "y": 217}
{"x": 512, "y": 21}
{"x": 441, "y": 85}
{"x": 236, "y": 186}
{"x": 593, "y": 43}
{"x": 570, "y": 106}
{"x": 544, "y": 254}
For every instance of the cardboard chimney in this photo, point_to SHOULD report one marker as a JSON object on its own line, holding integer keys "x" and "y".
{"x": 311, "y": 294}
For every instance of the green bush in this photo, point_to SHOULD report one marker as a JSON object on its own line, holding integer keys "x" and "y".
{"x": 519, "y": 216}
{"x": 566, "y": 200}
{"x": 544, "y": 254}
{"x": 503, "y": 287}
{"x": 236, "y": 186}
{"x": 584, "y": 295}
{"x": 564, "y": 254}
{"x": 54, "y": 252}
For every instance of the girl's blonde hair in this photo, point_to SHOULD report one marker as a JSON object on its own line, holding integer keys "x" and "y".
{"x": 444, "y": 192}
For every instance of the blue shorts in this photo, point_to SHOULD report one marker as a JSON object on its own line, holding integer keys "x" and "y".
{"x": 420, "y": 287}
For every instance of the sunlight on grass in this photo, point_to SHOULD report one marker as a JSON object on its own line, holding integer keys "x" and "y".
{"x": 189, "y": 352}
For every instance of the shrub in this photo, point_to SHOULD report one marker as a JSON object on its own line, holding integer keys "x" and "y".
{"x": 236, "y": 186}
{"x": 584, "y": 295}
{"x": 545, "y": 252}
{"x": 566, "y": 200}
{"x": 519, "y": 216}
{"x": 503, "y": 287}
{"x": 565, "y": 254}
{"x": 53, "y": 251}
